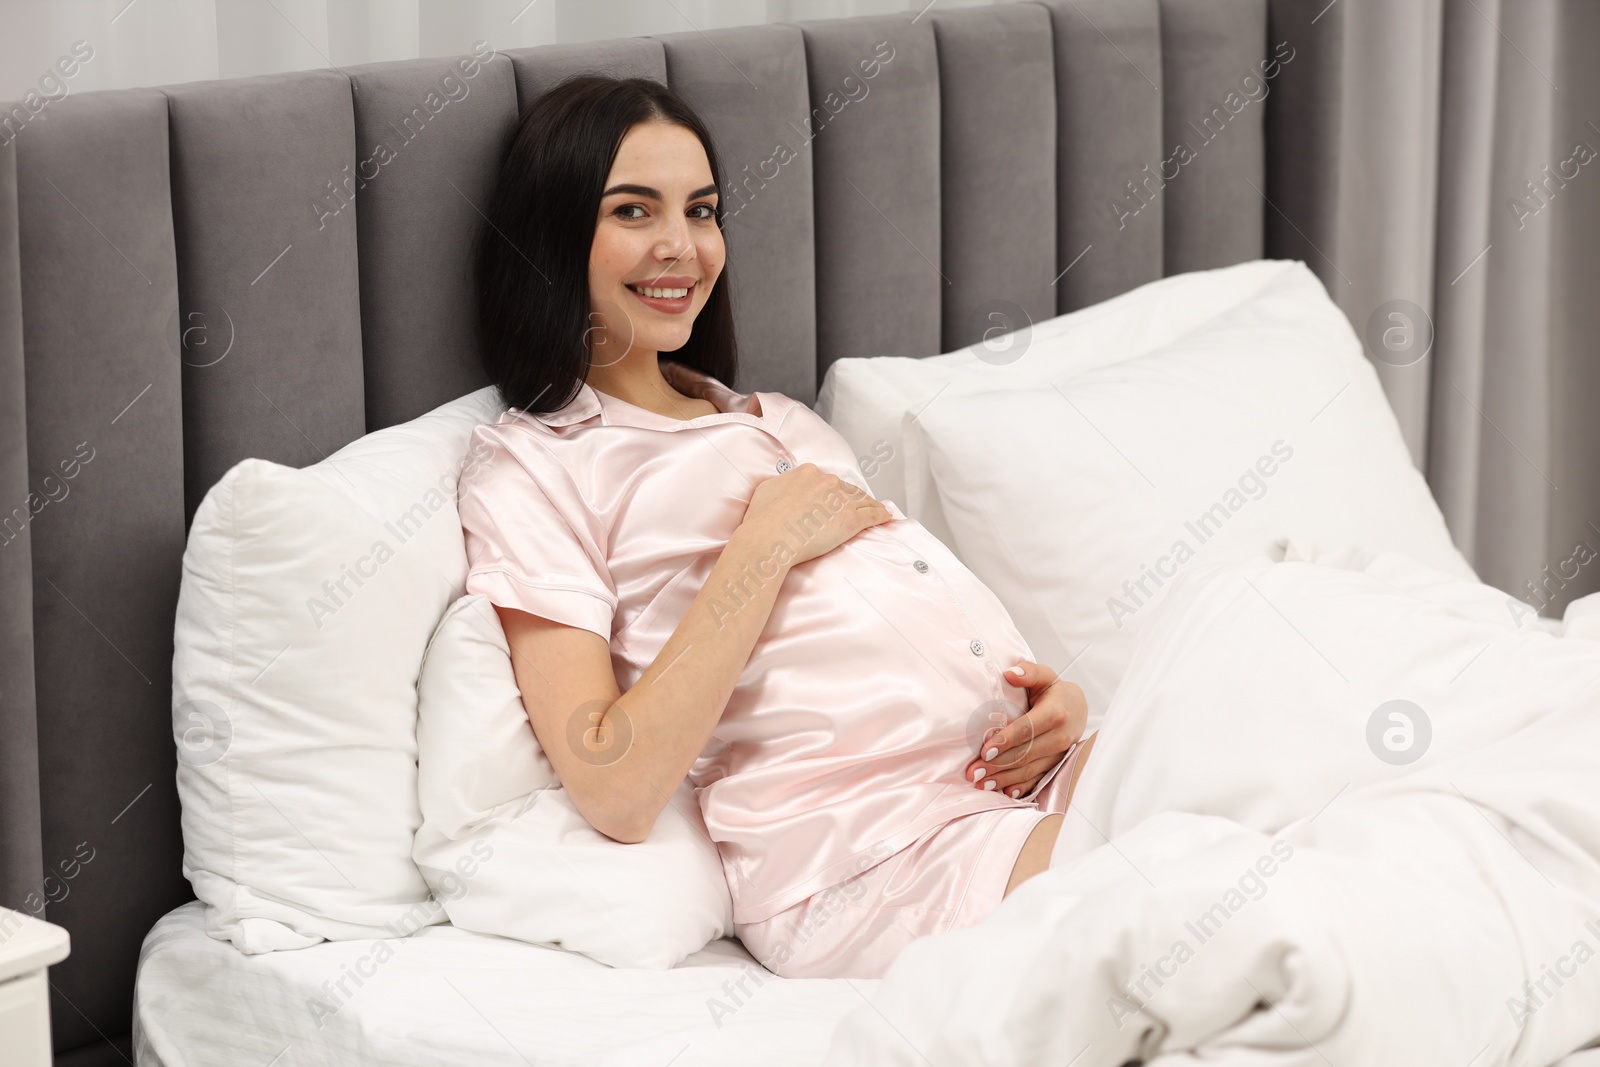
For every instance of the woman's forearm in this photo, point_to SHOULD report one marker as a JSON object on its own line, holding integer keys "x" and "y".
{"x": 670, "y": 712}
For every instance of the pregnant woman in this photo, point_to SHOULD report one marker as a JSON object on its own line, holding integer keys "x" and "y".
{"x": 695, "y": 581}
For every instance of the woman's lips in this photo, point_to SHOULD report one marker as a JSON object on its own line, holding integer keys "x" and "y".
{"x": 672, "y": 306}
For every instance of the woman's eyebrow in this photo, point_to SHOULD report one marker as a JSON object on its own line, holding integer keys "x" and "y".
{"x": 655, "y": 194}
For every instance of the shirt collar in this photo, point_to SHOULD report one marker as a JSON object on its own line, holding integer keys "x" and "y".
{"x": 590, "y": 403}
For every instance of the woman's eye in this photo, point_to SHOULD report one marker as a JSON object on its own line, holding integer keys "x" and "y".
{"x": 698, "y": 211}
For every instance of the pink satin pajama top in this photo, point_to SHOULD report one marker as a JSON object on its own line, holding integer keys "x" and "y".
{"x": 869, "y": 690}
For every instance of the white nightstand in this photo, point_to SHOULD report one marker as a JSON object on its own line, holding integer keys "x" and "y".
{"x": 27, "y": 947}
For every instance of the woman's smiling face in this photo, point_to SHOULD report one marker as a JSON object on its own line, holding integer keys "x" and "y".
{"x": 657, "y": 248}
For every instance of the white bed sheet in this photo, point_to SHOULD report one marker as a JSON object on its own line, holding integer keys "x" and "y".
{"x": 449, "y": 996}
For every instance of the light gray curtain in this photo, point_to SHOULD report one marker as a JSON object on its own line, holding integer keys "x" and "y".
{"x": 1442, "y": 153}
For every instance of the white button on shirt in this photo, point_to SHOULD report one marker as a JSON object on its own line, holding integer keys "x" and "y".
{"x": 866, "y": 695}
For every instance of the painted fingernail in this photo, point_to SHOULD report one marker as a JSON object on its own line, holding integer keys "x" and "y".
{"x": 1014, "y": 670}
{"x": 991, "y": 754}
{"x": 977, "y": 775}
{"x": 989, "y": 784}
{"x": 1016, "y": 793}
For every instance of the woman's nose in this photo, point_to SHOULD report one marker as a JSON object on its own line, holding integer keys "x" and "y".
{"x": 670, "y": 252}
{"x": 675, "y": 243}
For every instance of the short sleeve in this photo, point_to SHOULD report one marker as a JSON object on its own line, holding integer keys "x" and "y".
{"x": 533, "y": 542}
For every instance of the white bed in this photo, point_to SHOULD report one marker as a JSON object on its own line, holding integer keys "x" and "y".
{"x": 452, "y": 996}
{"x": 1206, "y": 757}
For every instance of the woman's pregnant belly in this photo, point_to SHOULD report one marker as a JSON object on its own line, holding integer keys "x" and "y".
{"x": 864, "y": 698}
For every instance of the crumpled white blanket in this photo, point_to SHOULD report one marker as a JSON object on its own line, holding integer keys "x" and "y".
{"x": 1263, "y": 866}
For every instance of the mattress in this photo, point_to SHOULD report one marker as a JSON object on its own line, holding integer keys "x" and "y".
{"x": 449, "y": 996}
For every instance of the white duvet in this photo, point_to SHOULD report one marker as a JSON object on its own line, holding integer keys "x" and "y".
{"x": 1252, "y": 872}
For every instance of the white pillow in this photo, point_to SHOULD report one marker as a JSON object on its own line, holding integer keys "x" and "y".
{"x": 505, "y": 849}
{"x": 307, "y": 600}
{"x": 870, "y": 401}
{"x": 1266, "y": 423}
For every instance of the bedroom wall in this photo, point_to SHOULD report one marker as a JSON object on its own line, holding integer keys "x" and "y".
{"x": 162, "y": 42}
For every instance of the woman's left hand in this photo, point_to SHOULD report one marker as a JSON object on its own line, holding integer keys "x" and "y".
{"x": 1016, "y": 757}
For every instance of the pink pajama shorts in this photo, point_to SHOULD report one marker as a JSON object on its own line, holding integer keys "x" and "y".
{"x": 951, "y": 877}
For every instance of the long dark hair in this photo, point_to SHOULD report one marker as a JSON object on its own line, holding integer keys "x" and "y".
{"x": 531, "y": 257}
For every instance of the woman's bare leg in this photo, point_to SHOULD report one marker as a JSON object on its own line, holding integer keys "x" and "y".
{"x": 1036, "y": 850}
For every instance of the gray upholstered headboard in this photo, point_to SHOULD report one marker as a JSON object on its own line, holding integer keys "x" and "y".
{"x": 274, "y": 266}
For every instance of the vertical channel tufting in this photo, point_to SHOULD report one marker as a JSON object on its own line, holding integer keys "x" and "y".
{"x": 538, "y": 69}
{"x": 1212, "y": 58}
{"x": 428, "y": 137}
{"x": 268, "y": 276}
{"x": 874, "y": 133}
{"x": 1109, "y": 146}
{"x": 749, "y": 84}
{"x": 997, "y": 106}
{"x": 99, "y": 314}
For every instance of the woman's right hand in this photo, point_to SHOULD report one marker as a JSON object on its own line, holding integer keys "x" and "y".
{"x": 810, "y": 511}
